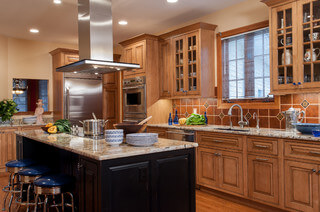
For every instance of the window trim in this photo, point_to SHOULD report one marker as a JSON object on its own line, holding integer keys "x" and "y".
{"x": 246, "y": 104}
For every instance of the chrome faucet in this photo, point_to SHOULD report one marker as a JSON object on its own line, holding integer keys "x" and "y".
{"x": 241, "y": 122}
{"x": 255, "y": 116}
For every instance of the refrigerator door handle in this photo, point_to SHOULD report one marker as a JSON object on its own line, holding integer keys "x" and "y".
{"x": 68, "y": 103}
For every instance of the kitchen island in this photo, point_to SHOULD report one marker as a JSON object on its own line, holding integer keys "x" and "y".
{"x": 115, "y": 179}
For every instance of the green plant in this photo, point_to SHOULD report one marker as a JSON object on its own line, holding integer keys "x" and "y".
{"x": 7, "y": 108}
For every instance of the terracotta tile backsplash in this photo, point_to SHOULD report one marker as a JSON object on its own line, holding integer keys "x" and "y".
{"x": 269, "y": 118}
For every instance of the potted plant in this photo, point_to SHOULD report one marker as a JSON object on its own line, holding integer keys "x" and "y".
{"x": 7, "y": 108}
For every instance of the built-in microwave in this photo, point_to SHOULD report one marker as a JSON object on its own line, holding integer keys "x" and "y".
{"x": 134, "y": 99}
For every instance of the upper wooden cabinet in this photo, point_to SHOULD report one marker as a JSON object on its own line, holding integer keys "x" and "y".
{"x": 187, "y": 56}
{"x": 142, "y": 50}
{"x": 295, "y": 46}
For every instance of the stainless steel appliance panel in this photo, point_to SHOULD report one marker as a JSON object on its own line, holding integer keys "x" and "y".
{"x": 82, "y": 97}
{"x": 181, "y": 135}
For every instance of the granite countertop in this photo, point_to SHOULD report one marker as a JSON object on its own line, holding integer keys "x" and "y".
{"x": 275, "y": 133}
{"x": 20, "y": 125}
{"x": 99, "y": 149}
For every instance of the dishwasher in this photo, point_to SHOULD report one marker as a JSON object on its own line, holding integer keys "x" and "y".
{"x": 181, "y": 135}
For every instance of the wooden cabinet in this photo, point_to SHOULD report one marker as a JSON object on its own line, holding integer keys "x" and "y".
{"x": 301, "y": 186}
{"x": 220, "y": 169}
{"x": 162, "y": 132}
{"x": 165, "y": 61}
{"x": 191, "y": 62}
{"x": 263, "y": 178}
{"x": 135, "y": 53}
{"x": 295, "y": 36}
{"x": 7, "y": 146}
{"x": 60, "y": 57}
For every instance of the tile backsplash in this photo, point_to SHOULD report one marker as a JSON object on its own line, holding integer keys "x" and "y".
{"x": 269, "y": 118}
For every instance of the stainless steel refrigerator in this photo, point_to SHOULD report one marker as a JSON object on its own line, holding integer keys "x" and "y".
{"x": 82, "y": 97}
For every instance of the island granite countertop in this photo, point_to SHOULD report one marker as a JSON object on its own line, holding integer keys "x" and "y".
{"x": 266, "y": 132}
{"x": 99, "y": 149}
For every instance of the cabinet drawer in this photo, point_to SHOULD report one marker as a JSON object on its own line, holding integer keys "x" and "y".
{"x": 304, "y": 151}
{"x": 262, "y": 145}
{"x": 220, "y": 140}
{"x": 162, "y": 132}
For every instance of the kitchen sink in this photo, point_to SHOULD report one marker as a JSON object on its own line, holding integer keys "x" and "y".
{"x": 233, "y": 129}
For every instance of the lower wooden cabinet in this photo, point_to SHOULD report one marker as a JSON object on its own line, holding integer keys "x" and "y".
{"x": 263, "y": 178}
{"x": 220, "y": 169}
{"x": 7, "y": 146}
{"x": 301, "y": 186}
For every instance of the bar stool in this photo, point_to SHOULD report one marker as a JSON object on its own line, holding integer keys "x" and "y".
{"x": 13, "y": 185}
{"x": 27, "y": 177}
{"x": 52, "y": 186}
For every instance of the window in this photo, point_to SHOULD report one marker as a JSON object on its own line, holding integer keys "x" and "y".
{"x": 37, "y": 89}
{"x": 245, "y": 65}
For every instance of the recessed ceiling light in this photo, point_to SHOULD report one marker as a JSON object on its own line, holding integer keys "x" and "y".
{"x": 33, "y": 30}
{"x": 172, "y": 1}
{"x": 123, "y": 22}
{"x": 57, "y": 1}
{"x": 75, "y": 72}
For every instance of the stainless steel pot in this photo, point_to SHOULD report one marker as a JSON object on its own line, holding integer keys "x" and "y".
{"x": 93, "y": 127}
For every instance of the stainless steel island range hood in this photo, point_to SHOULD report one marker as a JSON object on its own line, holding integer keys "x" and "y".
{"x": 95, "y": 40}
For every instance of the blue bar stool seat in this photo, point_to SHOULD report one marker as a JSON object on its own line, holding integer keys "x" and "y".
{"x": 13, "y": 187}
{"x": 50, "y": 186}
{"x": 27, "y": 177}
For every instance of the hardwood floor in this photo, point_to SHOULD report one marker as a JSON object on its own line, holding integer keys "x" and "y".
{"x": 205, "y": 202}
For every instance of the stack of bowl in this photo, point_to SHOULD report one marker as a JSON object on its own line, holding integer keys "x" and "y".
{"x": 114, "y": 137}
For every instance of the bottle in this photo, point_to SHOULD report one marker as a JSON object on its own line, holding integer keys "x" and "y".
{"x": 206, "y": 118}
{"x": 176, "y": 118}
{"x": 170, "y": 119}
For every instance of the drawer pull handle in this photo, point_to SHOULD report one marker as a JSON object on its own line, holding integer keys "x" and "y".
{"x": 315, "y": 153}
{"x": 218, "y": 141}
{"x": 261, "y": 159}
{"x": 261, "y": 146}
{"x": 217, "y": 154}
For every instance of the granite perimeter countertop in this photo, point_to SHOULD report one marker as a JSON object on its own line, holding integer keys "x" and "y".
{"x": 267, "y": 132}
{"x": 20, "y": 125}
{"x": 99, "y": 149}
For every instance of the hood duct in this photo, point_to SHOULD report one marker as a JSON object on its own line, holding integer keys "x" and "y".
{"x": 95, "y": 40}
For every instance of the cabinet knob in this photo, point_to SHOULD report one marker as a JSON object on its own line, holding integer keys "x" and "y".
{"x": 217, "y": 154}
{"x": 313, "y": 170}
{"x": 79, "y": 166}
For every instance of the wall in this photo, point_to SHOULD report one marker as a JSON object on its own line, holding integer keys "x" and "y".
{"x": 26, "y": 59}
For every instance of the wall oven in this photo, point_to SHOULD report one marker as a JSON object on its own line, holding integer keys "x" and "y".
{"x": 134, "y": 99}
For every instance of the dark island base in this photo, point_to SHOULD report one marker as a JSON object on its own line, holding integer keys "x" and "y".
{"x": 159, "y": 182}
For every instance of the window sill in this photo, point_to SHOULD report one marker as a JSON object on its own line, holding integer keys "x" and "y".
{"x": 251, "y": 104}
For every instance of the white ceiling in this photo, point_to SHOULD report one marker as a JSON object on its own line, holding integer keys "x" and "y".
{"x": 58, "y": 23}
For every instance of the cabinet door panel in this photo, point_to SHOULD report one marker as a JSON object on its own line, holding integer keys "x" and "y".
{"x": 301, "y": 186}
{"x": 128, "y": 58}
{"x": 130, "y": 189}
{"x": 7, "y": 147}
{"x": 207, "y": 167}
{"x": 164, "y": 69}
{"x": 179, "y": 52}
{"x": 173, "y": 176}
{"x": 263, "y": 178}
{"x": 231, "y": 171}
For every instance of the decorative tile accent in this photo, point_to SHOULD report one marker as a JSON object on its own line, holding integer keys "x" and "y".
{"x": 206, "y": 105}
{"x": 174, "y": 106}
{"x": 221, "y": 115}
{"x": 186, "y": 114}
{"x": 248, "y": 116}
{"x": 280, "y": 116}
{"x": 305, "y": 103}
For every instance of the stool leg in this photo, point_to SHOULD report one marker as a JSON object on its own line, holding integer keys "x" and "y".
{"x": 62, "y": 202}
{"x": 10, "y": 202}
{"x": 4, "y": 201}
{"x": 28, "y": 197}
{"x": 45, "y": 204}
{"x": 72, "y": 202}
{"x": 36, "y": 203}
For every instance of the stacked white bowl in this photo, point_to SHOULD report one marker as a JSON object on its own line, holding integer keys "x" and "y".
{"x": 114, "y": 137}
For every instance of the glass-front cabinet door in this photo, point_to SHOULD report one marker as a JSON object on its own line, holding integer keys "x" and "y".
{"x": 186, "y": 65}
{"x": 284, "y": 49}
{"x": 309, "y": 42}
{"x": 193, "y": 64}
{"x": 179, "y": 60}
